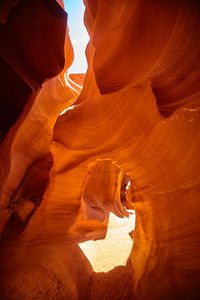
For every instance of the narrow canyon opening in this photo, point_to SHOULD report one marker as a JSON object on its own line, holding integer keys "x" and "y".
{"x": 78, "y": 35}
{"x": 113, "y": 250}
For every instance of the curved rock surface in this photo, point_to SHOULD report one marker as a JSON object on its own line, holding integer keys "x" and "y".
{"x": 138, "y": 115}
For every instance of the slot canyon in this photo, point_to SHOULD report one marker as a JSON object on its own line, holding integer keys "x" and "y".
{"x": 100, "y": 170}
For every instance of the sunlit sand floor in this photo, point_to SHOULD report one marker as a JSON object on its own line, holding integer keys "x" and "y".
{"x": 115, "y": 249}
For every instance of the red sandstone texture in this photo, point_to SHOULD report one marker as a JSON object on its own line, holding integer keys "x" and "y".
{"x": 138, "y": 115}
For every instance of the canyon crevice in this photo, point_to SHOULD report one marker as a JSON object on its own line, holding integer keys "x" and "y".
{"x": 70, "y": 143}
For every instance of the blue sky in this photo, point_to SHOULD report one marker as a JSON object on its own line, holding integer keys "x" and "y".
{"x": 78, "y": 34}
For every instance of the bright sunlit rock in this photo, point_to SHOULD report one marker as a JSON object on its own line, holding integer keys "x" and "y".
{"x": 115, "y": 249}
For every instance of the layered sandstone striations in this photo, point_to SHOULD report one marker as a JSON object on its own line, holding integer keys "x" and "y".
{"x": 138, "y": 114}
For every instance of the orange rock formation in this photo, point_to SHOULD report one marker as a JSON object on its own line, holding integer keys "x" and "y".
{"x": 138, "y": 115}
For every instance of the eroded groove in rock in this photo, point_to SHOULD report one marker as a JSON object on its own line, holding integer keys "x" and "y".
{"x": 26, "y": 198}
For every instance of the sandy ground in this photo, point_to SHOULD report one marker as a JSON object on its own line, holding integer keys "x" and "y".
{"x": 115, "y": 249}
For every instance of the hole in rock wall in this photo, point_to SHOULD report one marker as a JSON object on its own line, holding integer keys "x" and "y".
{"x": 107, "y": 199}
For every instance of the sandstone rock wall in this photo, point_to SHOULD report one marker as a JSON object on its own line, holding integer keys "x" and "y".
{"x": 138, "y": 110}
